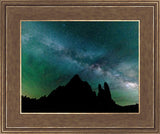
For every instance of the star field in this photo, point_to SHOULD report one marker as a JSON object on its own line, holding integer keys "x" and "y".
{"x": 53, "y": 52}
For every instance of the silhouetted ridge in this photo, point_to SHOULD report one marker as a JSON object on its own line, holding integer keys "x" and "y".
{"x": 76, "y": 96}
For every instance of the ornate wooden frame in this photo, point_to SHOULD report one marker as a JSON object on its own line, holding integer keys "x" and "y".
{"x": 146, "y": 11}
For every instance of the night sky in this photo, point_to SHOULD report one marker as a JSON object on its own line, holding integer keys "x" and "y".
{"x": 53, "y": 52}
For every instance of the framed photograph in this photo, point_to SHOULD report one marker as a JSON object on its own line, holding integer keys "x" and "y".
{"x": 64, "y": 64}
{"x": 80, "y": 66}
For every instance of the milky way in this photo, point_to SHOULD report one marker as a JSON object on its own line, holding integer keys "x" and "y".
{"x": 53, "y": 52}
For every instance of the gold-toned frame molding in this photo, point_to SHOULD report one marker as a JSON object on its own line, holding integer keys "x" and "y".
{"x": 13, "y": 11}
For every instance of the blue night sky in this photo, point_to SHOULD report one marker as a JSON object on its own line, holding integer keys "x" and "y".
{"x": 53, "y": 52}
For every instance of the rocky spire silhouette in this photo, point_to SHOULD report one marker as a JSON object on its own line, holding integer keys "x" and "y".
{"x": 101, "y": 92}
{"x": 107, "y": 91}
{"x": 74, "y": 82}
{"x": 104, "y": 95}
{"x": 76, "y": 79}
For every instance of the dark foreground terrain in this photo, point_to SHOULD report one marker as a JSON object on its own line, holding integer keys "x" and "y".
{"x": 76, "y": 96}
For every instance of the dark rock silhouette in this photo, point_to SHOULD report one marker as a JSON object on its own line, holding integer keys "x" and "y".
{"x": 76, "y": 96}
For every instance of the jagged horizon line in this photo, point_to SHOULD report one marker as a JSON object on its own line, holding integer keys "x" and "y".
{"x": 64, "y": 86}
{"x": 76, "y": 75}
